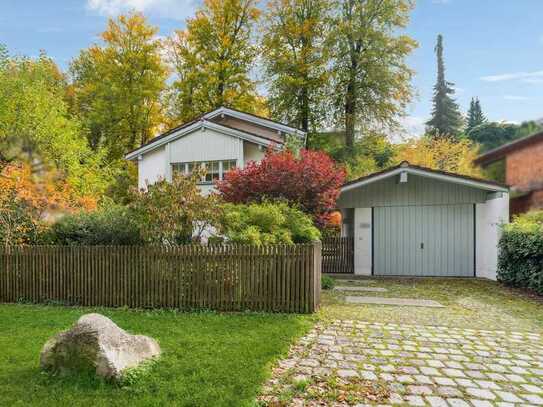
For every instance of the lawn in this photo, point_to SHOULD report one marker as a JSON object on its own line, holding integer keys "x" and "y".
{"x": 469, "y": 303}
{"x": 208, "y": 359}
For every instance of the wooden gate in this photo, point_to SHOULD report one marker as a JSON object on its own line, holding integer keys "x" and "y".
{"x": 338, "y": 255}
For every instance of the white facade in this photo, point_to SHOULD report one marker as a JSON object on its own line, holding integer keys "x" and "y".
{"x": 489, "y": 218}
{"x": 219, "y": 140}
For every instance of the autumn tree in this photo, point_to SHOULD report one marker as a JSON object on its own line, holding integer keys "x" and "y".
{"x": 440, "y": 154}
{"x": 310, "y": 181}
{"x": 213, "y": 58}
{"x": 117, "y": 86}
{"x": 37, "y": 129}
{"x": 446, "y": 120}
{"x": 296, "y": 60}
{"x": 26, "y": 199}
{"x": 370, "y": 75}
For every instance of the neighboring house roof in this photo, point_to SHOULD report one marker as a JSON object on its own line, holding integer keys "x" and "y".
{"x": 204, "y": 121}
{"x": 425, "y": 172}
{"x": 502, "y": 151}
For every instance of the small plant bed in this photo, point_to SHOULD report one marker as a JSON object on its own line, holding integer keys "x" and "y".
{"x": 208, "y": 358}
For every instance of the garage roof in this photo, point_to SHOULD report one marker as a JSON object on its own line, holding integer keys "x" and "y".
{"x": 405, "y": 167}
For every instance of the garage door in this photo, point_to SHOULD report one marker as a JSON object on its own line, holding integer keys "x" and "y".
{"x": 433, "y": 240}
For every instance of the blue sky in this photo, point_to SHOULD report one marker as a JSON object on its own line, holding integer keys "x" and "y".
{"x": 493, "y": 48}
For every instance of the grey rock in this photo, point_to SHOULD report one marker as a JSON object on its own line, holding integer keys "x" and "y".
{"x": 96, "y": 344}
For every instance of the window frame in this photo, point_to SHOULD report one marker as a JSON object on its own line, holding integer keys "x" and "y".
{"x": 183, "y": 167}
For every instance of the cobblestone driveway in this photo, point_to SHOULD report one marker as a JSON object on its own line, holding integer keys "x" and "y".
{"x": 417, "y": 365}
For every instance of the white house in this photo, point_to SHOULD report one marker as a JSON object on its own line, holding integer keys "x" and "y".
{"x": 218, "y": 140}
{"x": 414, "y": 221}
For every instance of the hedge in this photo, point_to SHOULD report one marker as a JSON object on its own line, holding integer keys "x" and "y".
{"x": 520, "y": 262}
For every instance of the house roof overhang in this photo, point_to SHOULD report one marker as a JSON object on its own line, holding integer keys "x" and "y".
{"x": 198, "y": 125}
{"x": 500, "y": 152}
{"x": 259, "y": 120}
{"x": 405, "y": 167}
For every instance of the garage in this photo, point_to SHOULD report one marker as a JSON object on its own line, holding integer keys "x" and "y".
{"x": 426, "y": 240}
{"x": 415, "y": 221}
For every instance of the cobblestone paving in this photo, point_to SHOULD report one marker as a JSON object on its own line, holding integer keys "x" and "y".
{"x": 419, "y": 365}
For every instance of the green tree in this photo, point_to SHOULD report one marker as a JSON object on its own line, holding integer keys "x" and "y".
{"x": 296, "y": 60}
{"x": 370, "y": 76}
{"x": 117, "y": 86}
{"x": 475, "y": 115}
{"x": 446, "y": 119}
{"x": 36, "y": 127}
{"x": 213, "y": 58}
{"x": 492, "y": 135}
{"x": 174, "y": 212}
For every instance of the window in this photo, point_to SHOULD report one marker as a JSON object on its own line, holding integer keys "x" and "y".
{"x": 214, "y": 170}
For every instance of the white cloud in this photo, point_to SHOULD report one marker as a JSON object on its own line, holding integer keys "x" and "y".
{"x": 411, "y": 126}
{"x": 515, "y": 97}
{"x": 175, "y": 9}
{"x": 459, "y": 91}
{"x": 522, "y": 76}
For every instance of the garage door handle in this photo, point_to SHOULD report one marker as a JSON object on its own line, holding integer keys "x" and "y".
{"x": 422, "y": 245}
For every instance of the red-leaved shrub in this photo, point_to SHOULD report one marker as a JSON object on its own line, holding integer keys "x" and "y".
{"x": 310, "y": 181}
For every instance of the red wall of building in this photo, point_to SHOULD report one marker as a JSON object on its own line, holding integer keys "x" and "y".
{"x": 524, "y": 172}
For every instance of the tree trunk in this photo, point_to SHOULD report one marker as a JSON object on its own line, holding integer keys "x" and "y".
{"x": 305, "y": 110}
{"x": 350, "y": 113}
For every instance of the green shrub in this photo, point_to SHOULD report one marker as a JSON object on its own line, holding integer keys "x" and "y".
{"x": 520, "y": 262}
{"x": 111, "y": 225}
{"x": 327, "y": 283}
{"x": 266, "y": 223}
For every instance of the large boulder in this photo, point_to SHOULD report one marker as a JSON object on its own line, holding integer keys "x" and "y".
{"x": 96, "y": 344}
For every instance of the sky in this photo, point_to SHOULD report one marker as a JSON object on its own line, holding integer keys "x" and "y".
{"x": 493, "y": 48}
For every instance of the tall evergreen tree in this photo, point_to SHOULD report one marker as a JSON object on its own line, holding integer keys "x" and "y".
{"x": 446, "y": 119}
{"x": 475, "y": 115}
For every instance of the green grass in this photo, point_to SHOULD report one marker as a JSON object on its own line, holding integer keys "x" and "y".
{"x": 469, "y": 303}
{"x": 208, "y": 359}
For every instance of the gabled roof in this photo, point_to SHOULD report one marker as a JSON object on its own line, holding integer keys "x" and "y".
{"x": 425, "y": 172}
{"x": 499, "y": 152}
{"x": 262, "y": 121}
{"x": 194, "y": 125}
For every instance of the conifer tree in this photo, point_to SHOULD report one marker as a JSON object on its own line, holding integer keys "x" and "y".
{"x": 475, "y": 115}
{"x": 446, "y": 119}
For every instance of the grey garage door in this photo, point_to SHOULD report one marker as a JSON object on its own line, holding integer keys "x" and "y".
{"x": 435, "y": 240}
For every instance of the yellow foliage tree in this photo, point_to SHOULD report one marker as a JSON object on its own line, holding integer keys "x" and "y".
{"x": 118, "y": 85}
{"x": 213, "y": 57}
{"x": 440, "y": 154}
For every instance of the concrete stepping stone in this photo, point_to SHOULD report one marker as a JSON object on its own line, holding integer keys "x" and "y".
{"x": 352, "y": 288}
{"x": 357, "y": 281}
{"x": 392, "y": 301}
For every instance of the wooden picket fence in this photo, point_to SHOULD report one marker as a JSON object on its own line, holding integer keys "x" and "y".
{"x": 338, "y": 255}
{"x": 223, "y": 277}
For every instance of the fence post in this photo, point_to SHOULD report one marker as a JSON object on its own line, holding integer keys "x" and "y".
{"x": 315, "y": 282}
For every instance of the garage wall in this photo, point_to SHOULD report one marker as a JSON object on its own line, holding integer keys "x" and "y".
{"x": 489, "y": 217}
{"x": 417, "y": 190}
